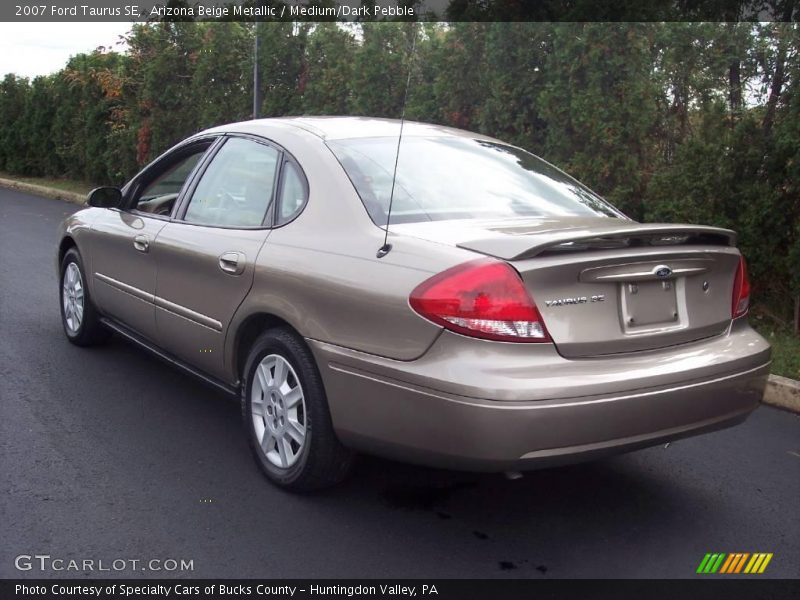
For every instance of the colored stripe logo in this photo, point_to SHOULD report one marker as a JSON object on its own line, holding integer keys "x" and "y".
{"x": 736, "y": 562}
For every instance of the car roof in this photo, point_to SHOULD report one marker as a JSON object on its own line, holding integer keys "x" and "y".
{"x": 339, "y": 128}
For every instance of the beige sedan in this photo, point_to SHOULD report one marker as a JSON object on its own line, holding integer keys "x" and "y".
{"x": 479, "y": 309}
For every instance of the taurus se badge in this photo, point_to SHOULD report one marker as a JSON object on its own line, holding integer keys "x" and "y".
{"x": 576, "y": 300}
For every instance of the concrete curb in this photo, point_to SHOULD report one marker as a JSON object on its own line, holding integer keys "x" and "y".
{"x": 41, "y": 190}
{"x": 783, "y": 393}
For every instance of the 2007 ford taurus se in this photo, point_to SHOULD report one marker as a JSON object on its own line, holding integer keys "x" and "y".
{"x": 513, "y": 320}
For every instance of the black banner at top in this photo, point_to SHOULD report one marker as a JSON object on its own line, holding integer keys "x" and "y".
{"x": 407, "y": 10}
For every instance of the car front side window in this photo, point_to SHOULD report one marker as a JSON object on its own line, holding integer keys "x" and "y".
{"x": 160, "y": 193}
{"x": 236, "y": 189}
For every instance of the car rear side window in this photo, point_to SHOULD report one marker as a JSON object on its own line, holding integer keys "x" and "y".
{"x": 446, "y": 177}
{"x": 293, "y": 193}
{"x": 236, "y": 189}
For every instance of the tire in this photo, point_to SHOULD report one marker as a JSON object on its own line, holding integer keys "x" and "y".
{"x": 275, "y": 414}
{"x": 79, "y": 317}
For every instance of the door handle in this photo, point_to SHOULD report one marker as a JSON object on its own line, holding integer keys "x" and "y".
{"x": 232, "y": 262}
{"x": 141, "y": 243}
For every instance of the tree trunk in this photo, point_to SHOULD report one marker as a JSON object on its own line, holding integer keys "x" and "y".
{"x": 776, "y": 87}
{"x": 735, "y": 87}
{"x": 797, "y": 315}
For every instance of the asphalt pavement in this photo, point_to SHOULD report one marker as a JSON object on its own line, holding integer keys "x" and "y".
{"x": 108, "y": 453}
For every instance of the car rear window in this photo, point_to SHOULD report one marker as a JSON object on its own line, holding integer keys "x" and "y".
{"x": 440, "y": 178}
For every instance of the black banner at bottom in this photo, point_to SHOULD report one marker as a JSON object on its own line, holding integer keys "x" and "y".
{"x": 374, "y": 589}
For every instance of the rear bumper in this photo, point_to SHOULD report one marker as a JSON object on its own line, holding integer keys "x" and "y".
{"x": 412, "y": 411}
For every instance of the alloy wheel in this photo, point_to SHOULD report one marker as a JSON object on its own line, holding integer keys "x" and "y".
{"x": 72, "y": 298}
{"x": 278, "y": 411}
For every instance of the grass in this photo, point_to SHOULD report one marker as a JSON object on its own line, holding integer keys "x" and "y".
{"x": 67, "y": 185}
{"x": 785, "y": 348}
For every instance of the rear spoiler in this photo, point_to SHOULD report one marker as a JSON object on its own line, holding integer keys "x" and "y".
{"x": 518, "y": 247}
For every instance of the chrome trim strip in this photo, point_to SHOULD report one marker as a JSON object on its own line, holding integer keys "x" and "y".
{"x": 644, "y": 271}
{"x": 187, "y": 313}
{"x": 648, "y": 276}
{"x": 171, "y": 307}
{"x": 128, "y": 289}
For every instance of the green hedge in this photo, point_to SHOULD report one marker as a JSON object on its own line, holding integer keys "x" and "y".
{"x": 696, "y": 122}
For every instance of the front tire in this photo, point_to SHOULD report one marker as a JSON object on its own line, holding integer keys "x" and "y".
{"x": 79, "y": 317}
{"x": 286, "y": 415}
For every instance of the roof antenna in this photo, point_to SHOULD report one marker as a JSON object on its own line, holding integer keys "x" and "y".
{"x": 384, "y": 250}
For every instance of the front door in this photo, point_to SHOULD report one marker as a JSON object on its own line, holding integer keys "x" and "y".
{"x": 123, "y": 262}
{"x": 206, "y": 256}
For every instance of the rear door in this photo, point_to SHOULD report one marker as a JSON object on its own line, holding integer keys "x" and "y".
{"x": 206, "y": 255}
{"x": 122, "y": 241}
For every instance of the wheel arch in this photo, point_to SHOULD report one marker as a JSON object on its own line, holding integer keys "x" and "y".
{"x": 66, "y": 243}
{"x": 246, "y": 333}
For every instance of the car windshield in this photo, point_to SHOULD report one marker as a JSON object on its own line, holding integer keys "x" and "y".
{"x": 441, "y": 178}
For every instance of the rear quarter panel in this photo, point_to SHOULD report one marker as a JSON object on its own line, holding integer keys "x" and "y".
{"x": 320, "y": 272}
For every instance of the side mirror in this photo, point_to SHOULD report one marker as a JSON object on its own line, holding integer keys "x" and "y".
{"x": 105, "y": 197}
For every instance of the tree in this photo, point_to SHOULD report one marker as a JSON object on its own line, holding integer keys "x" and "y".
{"x": 514, "y": 78}
{"x": 329, "y": 69}
{"x": 163, "y": 60}
{"x": 13, "y": 96}
{"x": 380, "y": 69}
{"x": 281, "y": 58}
{"x": 221, "y": 83}
{"x": 685, "y": 122}
{"x": 600, "y": 105}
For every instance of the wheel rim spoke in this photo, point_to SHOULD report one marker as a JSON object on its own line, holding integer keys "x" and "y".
{"x": 279, "y": 378}
{"x": 284, "y": 456}
{"x": 296, "y": 431}
{"x": 294, "y": 397}
{"x": 268, "y": 441}
{"x": 263, "y": 377}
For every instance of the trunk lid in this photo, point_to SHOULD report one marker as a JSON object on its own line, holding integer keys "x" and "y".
{"x": 608, "y": 286}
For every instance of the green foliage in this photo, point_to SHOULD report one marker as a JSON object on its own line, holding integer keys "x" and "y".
{"x": 524, "y": 49}
{"x": 14, "y": 93}
{"x": 329, "y": 70}
{"x": 223, "y": 94}
{"x": 283, "y": 65}
{"x": 683, "y": 122}
{"x": 380, "y": 70}
{"x": 599, "y": 99}
{"x": 457, "y": 87}
{"x": 164, "y": 58}
{"x": 785, "y": 348}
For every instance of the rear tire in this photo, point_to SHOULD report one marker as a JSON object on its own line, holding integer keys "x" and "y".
{"x": 285, "y": 413}
{"x": 79, "y": 317}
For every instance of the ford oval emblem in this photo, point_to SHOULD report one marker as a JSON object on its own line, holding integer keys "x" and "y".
{"x": 662, "y": 271}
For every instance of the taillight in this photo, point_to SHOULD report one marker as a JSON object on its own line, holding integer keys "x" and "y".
{"x": 484, "y": 298}
{"x": 741, "y": 290}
